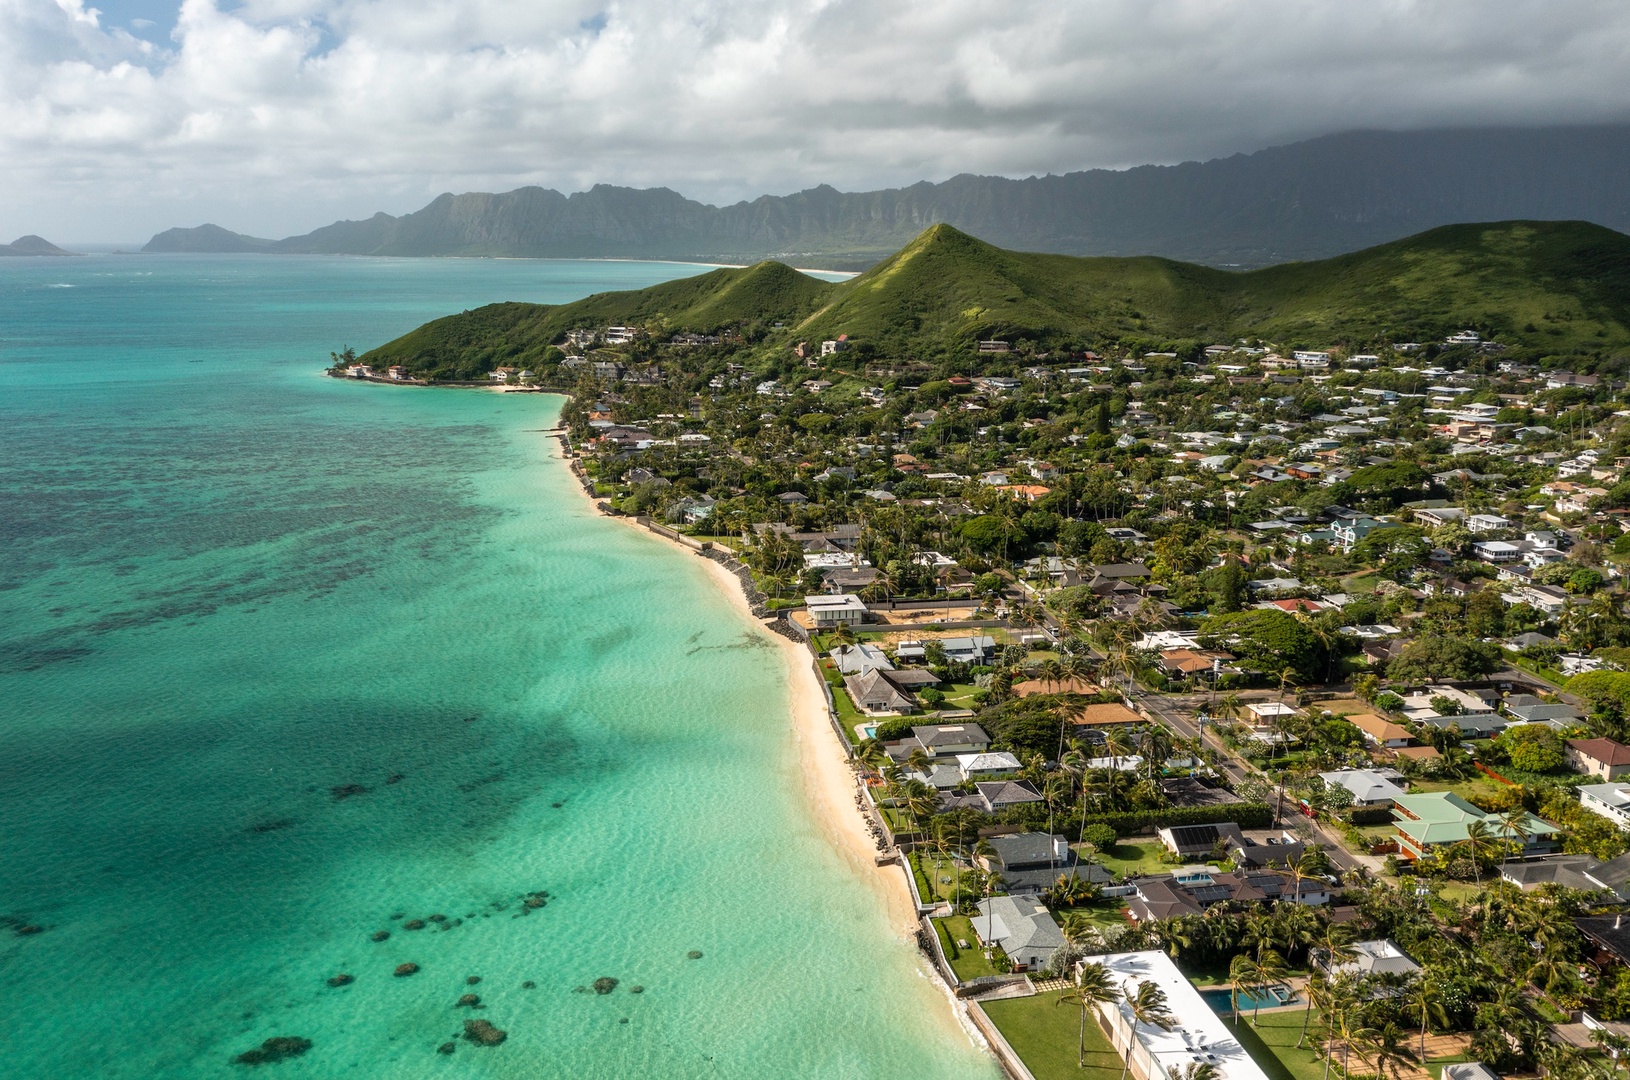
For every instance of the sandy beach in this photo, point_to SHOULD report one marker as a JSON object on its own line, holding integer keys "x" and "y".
{"x": 829, "y": 781}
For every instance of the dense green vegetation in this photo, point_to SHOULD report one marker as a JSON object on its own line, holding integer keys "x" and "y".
{"x": 1554, "y": 287}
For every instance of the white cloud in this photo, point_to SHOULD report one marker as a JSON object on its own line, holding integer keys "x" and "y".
{"x": 280, "y": 114}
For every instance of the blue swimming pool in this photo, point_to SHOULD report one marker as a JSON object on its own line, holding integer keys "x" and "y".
{"x": 1271, "y": 998}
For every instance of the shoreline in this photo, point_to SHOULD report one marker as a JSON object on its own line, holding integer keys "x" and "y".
{"x": 829, "y": 782}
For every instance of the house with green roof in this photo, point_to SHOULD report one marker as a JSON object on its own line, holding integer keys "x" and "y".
{"x": 1438, "y": 819}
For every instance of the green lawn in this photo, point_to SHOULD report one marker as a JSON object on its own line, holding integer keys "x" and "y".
{"x": 931, "y": 872}
{"x": 848, "y": 715}
{"x": 958, "y": 695}
{"x": 1479, "y": 787}
{"x": 1272, "y": 1042}
{"x": 969, "y": 963}
{"x": 1134, "y": 857}
{"x": 1047, "y": 1036}
{"x": 1105, "y": 914}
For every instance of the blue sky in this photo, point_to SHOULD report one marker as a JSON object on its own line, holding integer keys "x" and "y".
{"x": 149, "y": 19}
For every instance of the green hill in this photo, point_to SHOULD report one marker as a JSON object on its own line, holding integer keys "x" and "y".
{"x": 1552, "y": 287}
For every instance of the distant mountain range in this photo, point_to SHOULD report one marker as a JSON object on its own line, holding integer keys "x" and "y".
{"x": 1309, "y": 200}
{"x": 31, "y": 245}
{"x": 1549, "y": 287}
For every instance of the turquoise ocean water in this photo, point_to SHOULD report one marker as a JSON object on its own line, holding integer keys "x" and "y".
{"x": 233, "y": 591}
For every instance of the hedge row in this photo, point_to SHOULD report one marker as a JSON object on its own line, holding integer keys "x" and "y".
{"x": 1132, "y": 822}
{"x": 1369, "y": 815}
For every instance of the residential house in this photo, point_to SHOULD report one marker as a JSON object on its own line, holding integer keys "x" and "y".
{"x": 1583, "y": 872}
{"x": 1611, "y": 801}
{"x": 950, "y": 740}
{"x": 1379, "y": 957}
{"x": 1528, "y": 709}
{"x": 1194, "y": 1034}
{"x": 987, "y": 766}
{"x": 828, "y": 612}
{"x": 874, "y": 692}
{"x": 991, "y": 796}
{"x": 1256, "y": 848}
{"x": 1598, "y": 757}
{"x": 1368, "y": 786}
{"x": 1104, "y": 714}
{"x": 854, "y": 659}
{"x": 1032, "y": 861}
{"x": 969, "y": 650}
{"x": 1021, "y": 927}
{"x": 1428, "y": 822}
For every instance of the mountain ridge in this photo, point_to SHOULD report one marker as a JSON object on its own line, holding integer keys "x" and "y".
{"x": 1312, "y": 199}
{"x": 1546, "y": 288}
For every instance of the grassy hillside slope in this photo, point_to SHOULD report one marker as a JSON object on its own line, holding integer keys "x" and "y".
{"x": 467, "y": 345}
{"x": 1556, "y": 287}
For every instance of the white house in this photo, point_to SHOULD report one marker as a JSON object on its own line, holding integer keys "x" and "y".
{"x": 1197, "y": 1033}
{"x": 1369, "y": 787}
{"x": 1611, "y": 801}
{"x": 828, "y": 612}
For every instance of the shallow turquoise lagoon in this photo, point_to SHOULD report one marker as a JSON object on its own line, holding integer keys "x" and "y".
{"x": 283, "y": 657}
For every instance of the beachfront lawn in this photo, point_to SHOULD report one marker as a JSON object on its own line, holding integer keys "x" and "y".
{"x": 1272, "y": 1042}
{"x": 932, "y": 873}
{"x": 1129, "y": 858}
{"x": 969, "y": 963}
{"x": 848, "y": 715}
{"x": 1047, "y": 1036}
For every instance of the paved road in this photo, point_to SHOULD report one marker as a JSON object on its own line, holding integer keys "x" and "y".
{"x": 1177, "y": 713}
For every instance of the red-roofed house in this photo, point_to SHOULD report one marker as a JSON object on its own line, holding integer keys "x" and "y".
{"x": 1599, "y": 757}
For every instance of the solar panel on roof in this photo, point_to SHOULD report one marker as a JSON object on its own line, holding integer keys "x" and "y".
{"x": 1207, "y": 894}
{"x": 1188, "y": 836}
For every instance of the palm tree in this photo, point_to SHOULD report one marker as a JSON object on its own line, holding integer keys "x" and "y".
{"x": 870, "y": 753}
{"x": 1093, "y": 987}
{"x": 1242, "y": 972}
{"x": 1117, "y": 744}
{"x": 1194, "y": 1070}
{"x": 1513, "y": 830}
{"x": 1480, "y": 844}
{"x": 1386, "y": 1048}
{"x": 919, "y": 801}
{"x": 1425, "y": 1003}
{"x": 989, "y": 882}
{"x": 1148, "y": 1006}
{"x": 1271, "y": 969}
{"x": 1051, "y": 673}
{"x": 1076, "y": 927}
{"x": 1318, "y": 993}
{"x": 920, "y": 762}
{"x": 1260, "y": 932}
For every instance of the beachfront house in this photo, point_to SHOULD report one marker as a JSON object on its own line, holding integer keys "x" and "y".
{"x": 875, "y": 692}
{"x": 828, "y": 612}
{"x": 1021, "y": 927}
{"x": 1197, "y": 1033}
